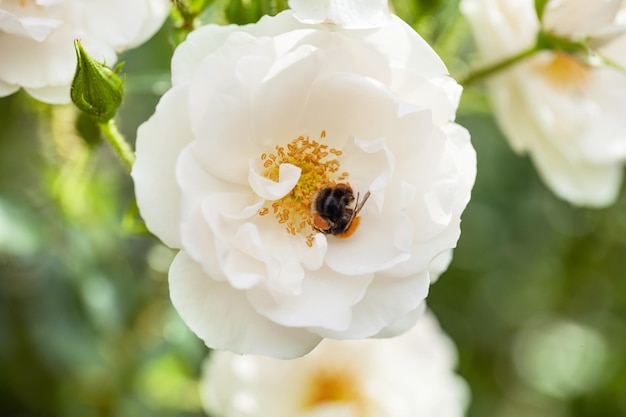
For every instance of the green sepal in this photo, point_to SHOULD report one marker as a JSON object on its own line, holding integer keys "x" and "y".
{"x": 550, "y": 41}
{"x": 96, "y": 89}
{"x": 242, "y": 12}
{"x": 88, "y": 129}
{"x": 540, "y": 6}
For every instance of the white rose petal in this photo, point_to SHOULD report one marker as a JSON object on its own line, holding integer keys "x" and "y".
{"x": 572, "y": 17}
{"x": 34, "y": 27}
{"x": 217, "y": 313}
{"x": 566, "y": 116}
{"x": 260, "y": 119}
{"x": 407, "y": 376}
{"x": 345, "y": 13}
{"x": 156, "y": 163}
{"x": 271, "y": 190}
{"x": 36, "y": 39}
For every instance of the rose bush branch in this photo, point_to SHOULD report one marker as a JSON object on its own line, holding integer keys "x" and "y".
{"x": 187, "y": 15}
{"x": 489, "y": 70}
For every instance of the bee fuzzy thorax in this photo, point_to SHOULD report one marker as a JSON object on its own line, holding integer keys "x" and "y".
{"x": 334, "y": 212}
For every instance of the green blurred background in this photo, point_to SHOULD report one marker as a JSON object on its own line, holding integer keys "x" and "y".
{"x": 535, "y": 298}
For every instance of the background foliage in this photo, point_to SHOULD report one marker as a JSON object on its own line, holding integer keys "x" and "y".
{"x": 535, "y": 298}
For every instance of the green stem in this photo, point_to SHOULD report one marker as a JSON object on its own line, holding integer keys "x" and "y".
{"x": 186, "y": 14}
{"x": 117, "y": 141}
{"x": 498, "y": 66}
{"x": 612, "y": 64}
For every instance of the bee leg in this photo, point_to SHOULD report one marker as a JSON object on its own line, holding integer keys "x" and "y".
{"x": 321, "y": 225}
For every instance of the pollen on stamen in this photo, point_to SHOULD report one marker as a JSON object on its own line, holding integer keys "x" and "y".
{"x": 320, "y": 168}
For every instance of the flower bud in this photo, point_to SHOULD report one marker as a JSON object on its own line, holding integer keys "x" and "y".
{"x": 96, "y": 89}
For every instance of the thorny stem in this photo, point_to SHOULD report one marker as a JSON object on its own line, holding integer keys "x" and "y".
{"x": 498, "y": 66}
{"x": 188, "y": 16}
{"x": 118, "y": 143}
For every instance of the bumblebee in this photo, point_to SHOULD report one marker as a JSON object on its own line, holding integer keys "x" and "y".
{"x": 334, "y": 212}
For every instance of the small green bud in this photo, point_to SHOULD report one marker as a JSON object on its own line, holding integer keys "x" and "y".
{"x": 96, "y": 89}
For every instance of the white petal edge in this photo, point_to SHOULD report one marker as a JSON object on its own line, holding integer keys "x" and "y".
{"x": 7, "y": 89}
{"x": 288, "y": 176}
{"x": 35, "y": 28}
{"x": 159, "y": 142}
{"x": 51, "y": 94}
{"x": 345, "y": 13}
{"x": 387, "y": 300}
{"x": 223, "y": 318}
{"x": 326, "y": 300}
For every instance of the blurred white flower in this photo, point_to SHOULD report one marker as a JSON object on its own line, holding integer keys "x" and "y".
{"x": 407, "y": 376}
{"x": 567, "y": 116}
{"x": 262, "y": 117}
{"x": 578, "y": 19}
{"x": 37, "y": 39}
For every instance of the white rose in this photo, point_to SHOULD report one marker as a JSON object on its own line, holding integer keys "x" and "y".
{"x": 407, "y": 376}
{"x": 258, "y": 120}
{"x": 567, "y": 116}
{"x": 37, "y": 39}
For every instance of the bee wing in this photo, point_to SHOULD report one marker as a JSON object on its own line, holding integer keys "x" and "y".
{"x": 358, "y": 206}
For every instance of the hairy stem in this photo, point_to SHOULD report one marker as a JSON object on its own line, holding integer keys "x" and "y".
{"x": 498, "y": 66}
{"x": 118, "y": 143}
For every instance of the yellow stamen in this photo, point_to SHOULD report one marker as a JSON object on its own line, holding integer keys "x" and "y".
{"x": 564, "y": 70}
{"x": 334, "y": 385}
{"x": 319, "y": 169}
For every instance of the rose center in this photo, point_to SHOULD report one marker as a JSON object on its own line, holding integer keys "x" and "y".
{"x": 320, "y": 168}
{"x": 334, "y": 385}
{"x": 563, "y": 70}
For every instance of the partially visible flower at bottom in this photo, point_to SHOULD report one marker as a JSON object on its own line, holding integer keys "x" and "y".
{"x": 407, "y": 376}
